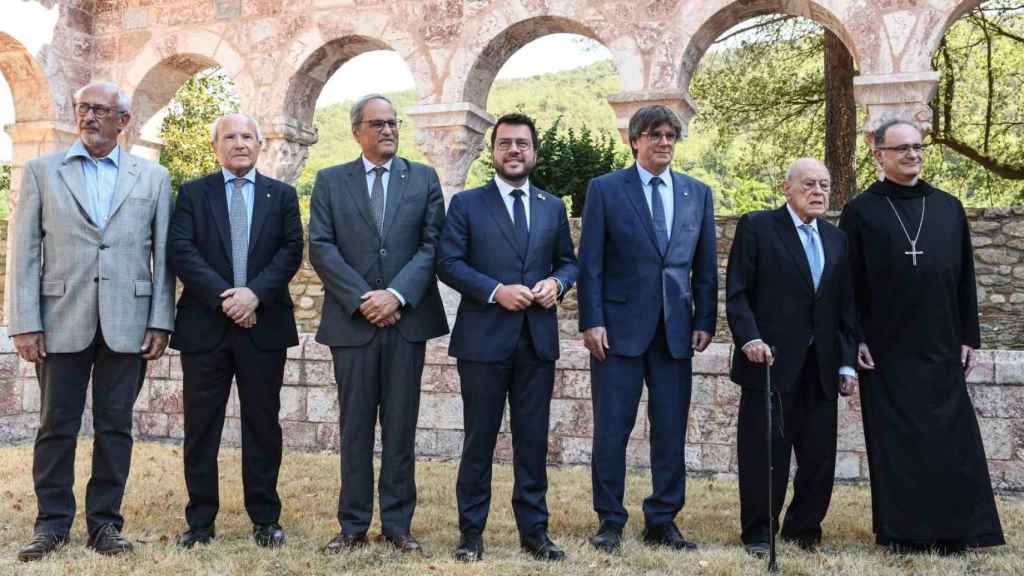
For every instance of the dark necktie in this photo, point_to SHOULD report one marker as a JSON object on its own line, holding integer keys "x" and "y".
{"x": 519, "y": 221}
{"x": 377, "y": 198}
{"x": 239, "y": 233}
{"x": 658, "y": 214}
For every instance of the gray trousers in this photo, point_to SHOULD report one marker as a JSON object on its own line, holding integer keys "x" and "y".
{"x": 381, "y": 377}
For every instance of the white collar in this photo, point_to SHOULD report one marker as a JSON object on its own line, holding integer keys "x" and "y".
{"x": 505, "y": 188}
{"x": 369, "y": 166}
{"x": 797, "y": 222}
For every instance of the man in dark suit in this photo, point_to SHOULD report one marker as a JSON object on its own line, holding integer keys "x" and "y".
{"x": 506, "y": 248}
{"x": 235, "y": 242}
{"x": 647, "y": 299}
{"x": 373, "y": 229}
{"x": 788, "y": 286}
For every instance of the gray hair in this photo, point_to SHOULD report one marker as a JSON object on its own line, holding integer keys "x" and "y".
{"x": 356, "y": 115}
{"x": 124, "y": 101}
{"x": 215, "y": 126}
{"x": 791, "y": 171}
{"x": 878, "y": 136}
{"x": 649, "y": 117}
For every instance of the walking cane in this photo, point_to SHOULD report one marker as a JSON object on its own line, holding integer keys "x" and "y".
{"x": 773, "y": 567}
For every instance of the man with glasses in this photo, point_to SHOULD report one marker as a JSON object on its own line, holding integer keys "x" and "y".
{"x": 648, "y": 290}
{"x": 506, "y": 248}
{"x": 788, "y": 286}
{"x": 92, "y": 294}
{"x": 913, "y": 279}
{"x": 373, "y": 229}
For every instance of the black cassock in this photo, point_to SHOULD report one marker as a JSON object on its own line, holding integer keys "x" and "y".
{"x": 930, "y": 484}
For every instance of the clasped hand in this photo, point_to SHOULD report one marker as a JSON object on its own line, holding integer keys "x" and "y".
{"x": 240, "y": 305}
{"x": 516, "y": 297}
{"x": 380, "y": 308}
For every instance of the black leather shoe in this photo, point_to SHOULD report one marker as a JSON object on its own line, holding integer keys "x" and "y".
{"x": 667, "y": 534}
{"x": 404, "y": 543}
{"x": 109, "y": 541}
{"x": 758, "y": 550}
{"x": 541, "y": 547}
{"x": 471, "y": 547}
{"x": 345, "y": 543}
{"x": 268, "y": 535}
{"x": 608, "y": 537}
{"x": 41, "y": 545}
{"x": 195, "y": 535}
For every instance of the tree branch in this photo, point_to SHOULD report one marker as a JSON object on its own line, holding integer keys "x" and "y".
{"x": 993, "y": 165}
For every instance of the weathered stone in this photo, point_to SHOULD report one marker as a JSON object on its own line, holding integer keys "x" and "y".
{"x": 322, "y": 404}
{"x": 165, "y": 396}
{"x": 318, "y": 373}
{"x": 997, "y": 435}
{"x": 10, "y": 396}
{"x": 440, "y": 410}
{"x": 293, "y": 403}
{"x": 151, "y": 425}
{"x": 847, "y": 465}
{"x": 299, "y": 434}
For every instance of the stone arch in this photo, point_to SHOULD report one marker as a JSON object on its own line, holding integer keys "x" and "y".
{"x": 30, "y": 88}
{"x": 509, "y": 40}
{"x": 733, "y": 13}
{"x": 958, "y": 11}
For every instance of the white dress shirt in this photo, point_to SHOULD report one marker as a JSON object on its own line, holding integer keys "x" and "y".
{"x": 384, "y": 179}
{"x": 664, "y": 190}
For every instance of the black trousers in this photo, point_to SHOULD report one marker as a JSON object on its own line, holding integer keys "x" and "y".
{"x": 382, "y": 377}
{"x": 63, "y": 380}
{"x": 527, "y": 382}
{"x": 207, "y": 386}
{"x": 809, "y": 420}
{"x": 616, "y": 386}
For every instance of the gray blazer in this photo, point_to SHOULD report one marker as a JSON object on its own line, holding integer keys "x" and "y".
{"x": 352, "y": 258}
{"x": 67, "y": 275}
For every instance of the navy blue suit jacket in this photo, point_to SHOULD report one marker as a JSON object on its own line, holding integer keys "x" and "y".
{"x": 199, "y": 251}
{"x": 477, "y": 251}
{"x": 626, "y": 285}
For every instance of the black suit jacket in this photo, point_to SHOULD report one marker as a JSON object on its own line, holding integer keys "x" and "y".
{"x": 199, "y": 250}
{"x": 352, "y": 258}
{"x": 770, "y": 295}
{"x": 478, "y": 251}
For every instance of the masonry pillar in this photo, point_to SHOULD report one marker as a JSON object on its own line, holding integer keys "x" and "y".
{"x": 903, "y": 95}
{"x": 451, "y": 136}
{"x": 29, "y": 140}
{"x": 285, "y": 150}
{"x": 626, "y": 104}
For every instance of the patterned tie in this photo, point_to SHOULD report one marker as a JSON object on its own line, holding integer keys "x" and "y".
{"x": 378, "y": 198}
{"x": 811, "y": 249}
{"x": 519, "y": 221}
{"x": 658, "y": 213}
{"x": 239, "y": 233}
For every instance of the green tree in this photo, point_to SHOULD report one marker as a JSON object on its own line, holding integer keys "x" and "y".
{"x": 185, "y": 130}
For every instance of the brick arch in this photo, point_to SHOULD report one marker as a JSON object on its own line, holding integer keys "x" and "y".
{"x": 734, "y": 12}
{"x": 30, "y": 88}
{"x": 316, "y": 68}
{"x": 507, "y": 41}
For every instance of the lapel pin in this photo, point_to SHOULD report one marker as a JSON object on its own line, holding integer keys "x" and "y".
{"x": 540, "y": 196}
{"x": 403, "y": 175}
{"x": 268, "y": 195}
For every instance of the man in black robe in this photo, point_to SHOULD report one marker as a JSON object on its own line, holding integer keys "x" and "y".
{"x": 912, "y": 267}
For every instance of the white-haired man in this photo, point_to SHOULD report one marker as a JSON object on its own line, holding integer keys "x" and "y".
{"x": 235, "y": 242}
{"x": 92, "y": 295}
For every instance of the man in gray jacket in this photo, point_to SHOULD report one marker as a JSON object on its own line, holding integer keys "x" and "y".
{"x": 373, "y": 229}
{"x": 91, "y": 293}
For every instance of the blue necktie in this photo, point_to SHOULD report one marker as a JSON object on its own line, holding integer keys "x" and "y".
{"x": 811, "y": 249}
{"x": 658, "y": 213}
{"x": 519, "y": 221}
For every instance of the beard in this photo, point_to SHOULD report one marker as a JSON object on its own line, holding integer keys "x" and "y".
{"x": 520, "y": 173}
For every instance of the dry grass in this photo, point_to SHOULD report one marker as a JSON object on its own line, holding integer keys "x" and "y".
{"x": 155, "y": 502}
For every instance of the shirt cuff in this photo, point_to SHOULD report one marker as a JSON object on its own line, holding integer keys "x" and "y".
{"x": 559, "y": 282}
{"x": 847, "y": 371}
{"x": 754, "y": 341}
{"x": 490, "y": 300}
{"x": 401, "y": 300}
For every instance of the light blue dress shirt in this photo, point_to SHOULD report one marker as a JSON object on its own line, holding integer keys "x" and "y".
{"x": 100, "y": 178}
{"x": 664, "y": 189}
{"x": 248, "y": 193}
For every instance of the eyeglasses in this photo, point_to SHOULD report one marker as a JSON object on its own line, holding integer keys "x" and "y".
{"x": 670, "y": 137}
{"x": 506, "y": 145}
{"x": 904, "y": 149}
{"x": 99, "y": 111}
{"x": 379, "y": 125}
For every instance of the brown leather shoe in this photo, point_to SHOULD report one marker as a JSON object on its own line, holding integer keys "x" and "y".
{"x": 345, "y": 543}
{"x": 41, "y": 545}
{"x": 404, "y": 543}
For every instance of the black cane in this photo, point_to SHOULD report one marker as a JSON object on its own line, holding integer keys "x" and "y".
{"x": 773, "y": 567}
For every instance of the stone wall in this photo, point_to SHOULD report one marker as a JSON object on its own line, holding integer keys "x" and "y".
{"x": 309, "y": 411}
{"x": 998, "y": 235}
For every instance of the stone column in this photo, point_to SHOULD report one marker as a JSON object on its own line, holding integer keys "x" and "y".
{"x": 451, "y": 136}
{"x": 285, "y": 150}
{"x": 626, "y": 104}
{"x": 29, "y": 140}
{"x": 902, "y": 95}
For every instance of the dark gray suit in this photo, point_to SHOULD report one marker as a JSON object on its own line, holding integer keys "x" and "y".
{"x": 377, "y": 368}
